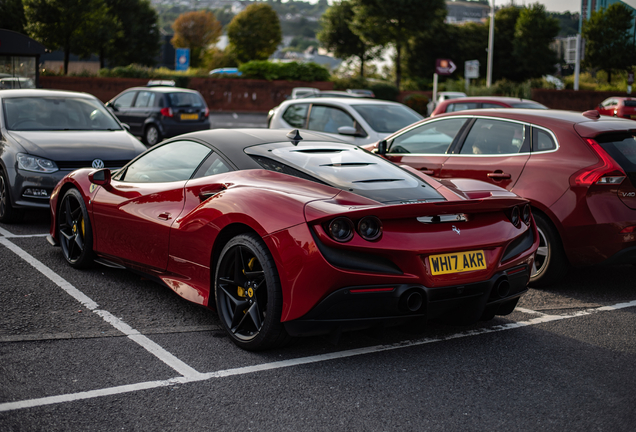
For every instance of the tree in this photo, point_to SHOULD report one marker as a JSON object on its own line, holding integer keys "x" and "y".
{"x": 12, "y": 15}
{"x": 254, "y": 33}
{"x": 139, "y": 40}
{"x": 608, "y": 43}
{"x": 336, "y": 35}
{"x": 534, "y": 32}
{"x": 105, "y": 28}
{"x": 63, "y": 24}
{"x": 382, "y": 22}
{"x": 197, "y": 31}
{"x": 504, "y": 64}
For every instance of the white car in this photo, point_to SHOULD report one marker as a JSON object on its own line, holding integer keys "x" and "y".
{"x": 355, "y": 120}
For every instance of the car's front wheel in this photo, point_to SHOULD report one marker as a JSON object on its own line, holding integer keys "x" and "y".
{"x": 248, "y": 294}
{"x": 8, "y": 213}
{"x": 550, "y": 262}
{"x": 74, "y": 228}
{"x": 151, "y": 135}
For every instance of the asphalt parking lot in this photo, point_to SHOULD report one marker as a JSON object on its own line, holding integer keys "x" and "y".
{"x": 106, "y": 349}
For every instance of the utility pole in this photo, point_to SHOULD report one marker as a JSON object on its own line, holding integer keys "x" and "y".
{"x": 491, "y": 43}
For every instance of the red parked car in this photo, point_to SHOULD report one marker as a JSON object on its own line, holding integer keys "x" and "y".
{"x": 292, "y": 235}
{"x": 617, "y": 106}
{"x": 577, "y": 170}
{"x": 475, "y": 102}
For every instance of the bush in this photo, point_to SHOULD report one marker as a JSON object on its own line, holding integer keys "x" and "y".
{"x": 417, "y": 102}
{"x": 293, "y": 71}
{"x": 181, "y": 79}
{"x": 349, "y": 83}
{"x": 385, "y": 91}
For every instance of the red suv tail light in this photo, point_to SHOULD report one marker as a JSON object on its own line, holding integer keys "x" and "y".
{"x": 606, "y": 171}
{"x": 166, "y": 112}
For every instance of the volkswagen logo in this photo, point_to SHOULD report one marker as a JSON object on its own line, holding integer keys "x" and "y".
{"x": 98, "y": 163}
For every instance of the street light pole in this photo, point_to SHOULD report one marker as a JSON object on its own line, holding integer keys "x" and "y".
{"x": 491, "y": 43}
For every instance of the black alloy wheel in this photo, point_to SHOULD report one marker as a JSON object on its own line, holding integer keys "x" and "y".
{"x": 75, "y": 231}
{"x": 550, "y": 262}
{"x": 151, "y": 135}
{"x": 8, "y": 213}
{"x": 248, "y": 294}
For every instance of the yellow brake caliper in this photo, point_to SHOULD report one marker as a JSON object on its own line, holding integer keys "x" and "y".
{"x": 240, "y": 290}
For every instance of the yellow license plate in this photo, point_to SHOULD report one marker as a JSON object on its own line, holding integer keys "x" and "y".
{"x": 189, "y": 116}
{"x": 633, "y": 117}
{"x": 457, "y": 262}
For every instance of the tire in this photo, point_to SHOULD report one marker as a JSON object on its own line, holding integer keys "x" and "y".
{"x": 550, "y": 262}
{"x": 8, "y": 213}
{"x": 248, "y": 294}
{"x": 74, "y": 230}
{"x": 151, "y": 135}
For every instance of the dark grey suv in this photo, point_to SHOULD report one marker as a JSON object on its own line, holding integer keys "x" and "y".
{"x": 44, "y": 135}
{"x": 160, "y": 111}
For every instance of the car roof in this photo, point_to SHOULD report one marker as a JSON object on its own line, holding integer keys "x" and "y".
{"x": 9, "y": 93}
{"x": 163, "y": 89}
{"x": 505, "y": 99}
{"x": 587, "y": 124}
{"x": 343, "y": 101}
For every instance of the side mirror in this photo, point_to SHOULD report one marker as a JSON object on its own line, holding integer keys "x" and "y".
{"x": 100, "y": 177}
{"x": 347, "y": 130}
{"x": 111, "y": 106}
{"x": 126, "y": 126}
{"x": 381, "y": 147}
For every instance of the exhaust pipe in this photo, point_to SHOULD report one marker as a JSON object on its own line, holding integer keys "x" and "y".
{"x": 411, "y": 301}
{"x": 502, "y": 288}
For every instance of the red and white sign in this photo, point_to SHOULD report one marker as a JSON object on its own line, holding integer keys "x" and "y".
{"x": 444, "y": 66}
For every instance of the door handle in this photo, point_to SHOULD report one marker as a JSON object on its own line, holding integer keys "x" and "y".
{"x": 211, "y": 191}
{"x": 165, "y": 216}
{"x": 426, "y": 171}
{"x": 499, "y": 176}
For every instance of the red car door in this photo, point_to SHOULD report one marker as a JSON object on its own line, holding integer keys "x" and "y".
{"x": 132, "y": 216}
{"x": 425, "y": 146}
{"x": 494, "y": 151}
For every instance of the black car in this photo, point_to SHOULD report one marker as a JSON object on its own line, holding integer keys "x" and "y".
{"x": 160, "y": 111}
{"x": 46, "y": 134}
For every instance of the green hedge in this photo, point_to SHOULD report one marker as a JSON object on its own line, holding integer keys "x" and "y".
{"x": 294, "y": 71}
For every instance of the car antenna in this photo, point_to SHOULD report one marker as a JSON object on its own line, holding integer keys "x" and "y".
{"x": 294, "y": 136}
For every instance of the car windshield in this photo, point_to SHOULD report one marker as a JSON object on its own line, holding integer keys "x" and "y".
{"x": 184, "y": 99}
{"x": 530, "y": 105}
{"x": 346, "y": 167}
{"x": 54, "y": 113}
{"x": 387, "y": 118}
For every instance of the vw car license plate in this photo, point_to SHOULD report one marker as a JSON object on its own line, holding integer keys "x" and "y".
{"x": 457, "y": 262}
{"x": 189, "y": 116}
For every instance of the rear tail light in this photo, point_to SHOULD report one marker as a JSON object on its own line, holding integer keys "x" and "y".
{"x": 629, "y": 229}
{"x": 526, "y": 214}
{"x": 206, "y": 113}
{"x": 606, "y": 171}
{"x": 341, "y": 229}
{"x": 370, "y": 228}
{"x": 515, "y": 217}
{"x": 166, "y": 112}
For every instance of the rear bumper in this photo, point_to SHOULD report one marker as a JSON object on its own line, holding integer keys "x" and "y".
{"x": 356, "y": 308}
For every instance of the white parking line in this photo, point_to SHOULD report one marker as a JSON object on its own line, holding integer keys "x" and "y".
{"x": 110, "y": 391}
{"x": 8, "y": 234}
{"x": 88, "y": 303}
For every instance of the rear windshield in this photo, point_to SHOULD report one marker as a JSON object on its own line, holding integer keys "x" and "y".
{"x": 56, "y": 113}
{"x": 387, "y": 118}
{"x": 630, "y": 103}
{"x": 185, "y": 100}
{"x": 622, "y": 148}
{"x": 530, "y": 105}
{"x": 346, "y": 167}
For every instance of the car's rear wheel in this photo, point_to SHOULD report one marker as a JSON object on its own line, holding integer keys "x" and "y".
{"x": 8, "y": 213}
{"x": 248, "y": 294}
{"x": 75, "y": 231}
{"x": 151, "y": 135}
{"x": 550, "y": 262}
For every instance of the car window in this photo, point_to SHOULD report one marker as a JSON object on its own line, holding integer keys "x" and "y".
{"x": 175, "y": 161}
{"x": 630, "y": 103}
{"x": 490, "y": 105}
{"x": 328, "y": 119}
{"x": 461, "y": 106}
{"x": 296, "y": 115}
{"x": 430, "y": 138}
{"x": 183, "y": 99}
{"x": 213, "y": 165}
{"x": 528, "y": 105}
{"x": 542, "y": 141}
{"x": 622, "y": 148}
{"x": 145, "y": 99}
{"x": 488, "y": 136}
{"x": 54, "y": 113}
{"x": 387, "y": 118}
{"x": 125, "y": 100}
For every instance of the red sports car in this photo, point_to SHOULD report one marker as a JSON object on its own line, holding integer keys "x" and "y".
{"x": 577, "y": 170}
{"x": 617, "y": 106}
{"x": 290, "y": 234}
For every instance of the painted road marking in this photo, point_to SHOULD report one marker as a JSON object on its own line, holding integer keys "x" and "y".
{"x": 110, "y": 391}
{"x": 153, "y": 348}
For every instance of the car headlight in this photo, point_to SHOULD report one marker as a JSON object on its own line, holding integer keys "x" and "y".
{"x": 37, "y": 164}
